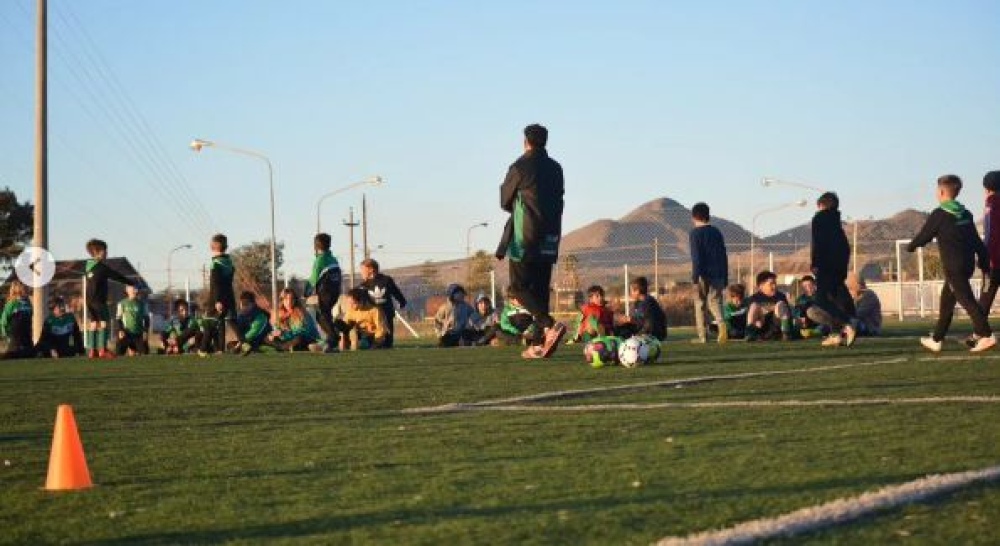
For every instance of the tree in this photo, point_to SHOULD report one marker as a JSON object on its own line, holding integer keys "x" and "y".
{"x": 478, "y": 279}
{"x": 17, "y": 226}
{"x": 253, "y": 265}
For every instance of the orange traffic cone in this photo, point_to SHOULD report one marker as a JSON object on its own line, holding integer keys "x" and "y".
{"x": 67, "y": 465}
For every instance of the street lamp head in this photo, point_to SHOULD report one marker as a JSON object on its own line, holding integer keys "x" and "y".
{"x": 485, "y": 224}
{"x": 198, "y": 143}
{"x": 801, "y": 203}
{"x": 376, "y": 181}
{"x": 185, "y": 246}
{"x": 766, "y": 182}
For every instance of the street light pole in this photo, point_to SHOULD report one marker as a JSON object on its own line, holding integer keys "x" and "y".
{"x": 768, "y": 181}
{"x": 170, "y": 283}
{"x": 373, "y": 181}
{"x": 468, "y": 237}
{"x": 753, "y": 226}
{"x": 197, "y": 145}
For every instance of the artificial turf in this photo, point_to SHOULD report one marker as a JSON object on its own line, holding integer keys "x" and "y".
{"x": 314, "y": 448}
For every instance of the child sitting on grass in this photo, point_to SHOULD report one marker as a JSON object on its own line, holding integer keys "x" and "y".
{"x": 515, "y": 327}
{"x": 596, "y": 319}
{"x": 132, "y": 321}
{"x": 734, "y": 312}
{"x": 15, "y": 323}
{"x": 363, "y": 325}
{"x": 646, "y": 317}
{"x": 253, "y": 325}
{"x": 181, "y": 333}
{"x": 295, "y": 329}
{"x": 769, "y": 317}
{"x": 453, "y": 320}
{"x": 61, "y": 335}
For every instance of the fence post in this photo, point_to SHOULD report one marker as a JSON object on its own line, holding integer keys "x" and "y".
{"x": 920, "y": 281}
{"x": 493, "y": 286}
{"x": 899, "y": 279}
{"x": 656, "y": 266}
{"x": 626, "y": 290}
{"x": 770, "y": 262}
{"x": 86, "y": 323}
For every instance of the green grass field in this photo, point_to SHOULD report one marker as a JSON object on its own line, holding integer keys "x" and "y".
{"x": 314, "y": 448}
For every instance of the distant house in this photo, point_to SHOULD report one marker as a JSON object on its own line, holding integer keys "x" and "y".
{"x": 68, "y": 281}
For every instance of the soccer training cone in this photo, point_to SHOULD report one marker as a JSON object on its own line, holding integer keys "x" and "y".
{"x": 67, "y": 465}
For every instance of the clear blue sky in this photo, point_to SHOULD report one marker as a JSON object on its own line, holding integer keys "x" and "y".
{"x": 691, "y": 100}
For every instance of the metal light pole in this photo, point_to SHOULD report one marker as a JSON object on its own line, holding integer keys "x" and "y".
{"x": 753, "y": 226}
{"x": 41, "y": 221}
{"x": 170, "y": 279}
{"x": 768, "y": 181}
{"x": 468, "y": 237}
{"x": 197, "y": 145}
{"x": 373, "y": 181}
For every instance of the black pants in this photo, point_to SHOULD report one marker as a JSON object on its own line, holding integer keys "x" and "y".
{"x": 833, "y": 298}
{"x": 530, "y": 283}
{"x": 131, "y": 341}
{"x": 990, "y": 292}
{"x": 389, "y": 314}
{"x": 327, "y": 294}
{"x": 465, "y": 337}
{"x": 957, "y": 289}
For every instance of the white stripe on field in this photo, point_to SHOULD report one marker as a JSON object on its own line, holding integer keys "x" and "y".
{"x": 838, "y": 511}
{"x": 739, "y": 404}
{"x": 556, "y": 395}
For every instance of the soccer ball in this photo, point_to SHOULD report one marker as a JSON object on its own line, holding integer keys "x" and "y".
{"x": 600, "y": 351}
{"x": 654, "y": 348}
{"x": 633, "y": 352}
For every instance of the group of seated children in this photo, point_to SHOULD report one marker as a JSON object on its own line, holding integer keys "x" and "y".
{"x": 768, "y": 315}
{"x": 459, "y": 324}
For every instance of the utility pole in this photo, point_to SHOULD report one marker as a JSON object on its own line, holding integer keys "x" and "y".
{"x": 351, "y": 224}
{"x": 656, "y": 266}
{"x": 364, "y": 227}
{"x": 41, "y": 235}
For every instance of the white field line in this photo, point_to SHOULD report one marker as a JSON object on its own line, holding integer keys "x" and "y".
{"x": 556, "y": 395}
{"x": 958, "y": 358}
{"x": 838, "y": 511}
{"x": 740, "y": 404}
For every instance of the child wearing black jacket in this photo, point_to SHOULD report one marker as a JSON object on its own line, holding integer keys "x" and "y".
{"x": 831, "y": 254}
{"x": 961, "y": 250}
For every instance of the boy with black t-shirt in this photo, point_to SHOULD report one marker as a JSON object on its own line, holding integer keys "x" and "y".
{"x": 646, "y": 316}
{"x": 98, "y": 274}
{"x": 769, "y": 317}
{"x": 961, "y": 251}
{"x": 382, "y": 290}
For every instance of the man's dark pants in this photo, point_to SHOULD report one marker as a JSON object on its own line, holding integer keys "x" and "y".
{"x": 957, "y": 289}
{"x": 530, "y": 283}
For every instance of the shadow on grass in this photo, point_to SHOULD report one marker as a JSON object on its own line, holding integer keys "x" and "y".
{"x": 326, "y": 525}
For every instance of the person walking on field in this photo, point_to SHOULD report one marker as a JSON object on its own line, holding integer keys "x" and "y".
{"x": 831, "y": 254}
{"x": 532, "y": 193}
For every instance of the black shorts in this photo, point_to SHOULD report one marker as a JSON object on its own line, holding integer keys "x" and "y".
{"x": 97, "y": 312}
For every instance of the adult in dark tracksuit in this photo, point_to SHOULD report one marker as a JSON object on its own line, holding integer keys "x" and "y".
{"x": 831, "y": 254}
{"x": 532, "y": 193}
{"x": 961, "y": 250}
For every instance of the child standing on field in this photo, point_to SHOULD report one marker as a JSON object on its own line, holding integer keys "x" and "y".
{"x": 831, "y": 254}
{"x": 991, "y": 234}
{"x": 221, "y": 297}
{"x": 961, "y": 249}
{"x": 15, "y": 322}
{"x": 325, "y": 282}
{"x": 97, "y": 276}
{"x": 710, "y": 272}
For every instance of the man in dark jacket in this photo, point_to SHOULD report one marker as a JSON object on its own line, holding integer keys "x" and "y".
{"x": 532, "y": 193}
{"x": 831, "y": 253}
{"x": 709, "y": 272}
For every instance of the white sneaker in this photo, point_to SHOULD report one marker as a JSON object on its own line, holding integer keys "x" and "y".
{"x": 832, "y": 340}
{"x": 983, "y": 344}
{"x": 931, "y": 345}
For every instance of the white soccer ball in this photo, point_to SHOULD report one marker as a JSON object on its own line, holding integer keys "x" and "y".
{"x": 633, "y": 352}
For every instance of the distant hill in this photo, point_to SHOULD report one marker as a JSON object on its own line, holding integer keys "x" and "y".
{"x": 631, "y": 237}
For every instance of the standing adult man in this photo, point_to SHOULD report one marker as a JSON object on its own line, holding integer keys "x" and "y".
{"x": 532, "y": 193}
